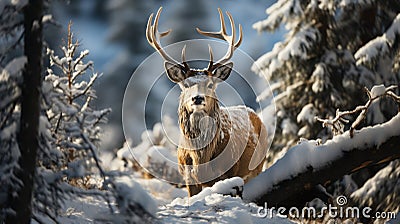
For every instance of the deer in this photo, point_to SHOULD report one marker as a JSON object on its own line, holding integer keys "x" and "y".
{"x": 216, "y": 142}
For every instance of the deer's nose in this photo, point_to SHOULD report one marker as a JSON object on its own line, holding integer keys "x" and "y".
{"x": 197, "y": 100}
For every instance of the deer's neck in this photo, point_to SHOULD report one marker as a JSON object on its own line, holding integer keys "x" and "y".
{"x": 200, "y": 129}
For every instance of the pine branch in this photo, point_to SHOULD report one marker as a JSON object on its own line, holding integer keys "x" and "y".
{"x": 93, "y": 150}
{"x": 87, "y": 88}
{"x": 8, "y": 115}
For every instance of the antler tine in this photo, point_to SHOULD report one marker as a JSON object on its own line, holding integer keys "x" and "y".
{"x": 148, "y": 29}
{"x": 210, "y": 64}
{"x": 231, "y": 40}
{"x": 185, "y": 64}
{"x": 151, "y": 35}
{"x": 224, "y": 36}
{"x": 240, "y": 37}
{"x": 219, "y": 34}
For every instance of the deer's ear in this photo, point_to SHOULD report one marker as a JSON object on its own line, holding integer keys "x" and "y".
{"x": 174, "y": 72}
{"x": 222, "y": 72}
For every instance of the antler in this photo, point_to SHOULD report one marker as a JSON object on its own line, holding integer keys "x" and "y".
{"x": 223, "y": 36}
{"x": 152, "y": 33}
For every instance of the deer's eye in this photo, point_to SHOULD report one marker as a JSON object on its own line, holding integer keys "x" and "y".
{"x": 210, "y": 86}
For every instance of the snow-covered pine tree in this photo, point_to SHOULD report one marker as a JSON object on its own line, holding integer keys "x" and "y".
{"x": 67, "y": 146}
{"x": 74, "y": 123}
{"x": 332, "y": 50}
{"x": 325, "y": 60}
{"x": 67, "y": 125}
{"x": 20, "y": 110}
{"x": 11, "y": 64}
{"x": 69, "y": 164}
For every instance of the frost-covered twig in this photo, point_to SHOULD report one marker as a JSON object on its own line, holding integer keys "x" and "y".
{"x": 376, "y": 93}
{"x": 93, "y": 150}
{"x": 87, "y": 88}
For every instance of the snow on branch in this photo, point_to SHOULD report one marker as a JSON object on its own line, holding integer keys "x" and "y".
{"x": 299, "y": 44}
{"x": 380, "y": 46}
{"x": 352, "y": 3}
{"x": 283, "y": 11}
{"x": 376, "y": 93}
{"x": 380, "y": 190}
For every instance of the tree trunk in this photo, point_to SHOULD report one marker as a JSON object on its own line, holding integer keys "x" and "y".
{"x": 30, "y": 112}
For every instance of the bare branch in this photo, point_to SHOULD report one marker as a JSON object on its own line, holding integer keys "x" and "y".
{"x": 376, "y": 93}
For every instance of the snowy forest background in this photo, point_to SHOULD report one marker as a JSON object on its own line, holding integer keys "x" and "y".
{"x": 335, "y": 60}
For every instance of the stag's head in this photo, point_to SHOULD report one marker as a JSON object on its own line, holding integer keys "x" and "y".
{"x": 197, "y": 85}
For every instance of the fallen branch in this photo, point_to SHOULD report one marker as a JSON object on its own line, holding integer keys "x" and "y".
{"x": 291, "y": 180}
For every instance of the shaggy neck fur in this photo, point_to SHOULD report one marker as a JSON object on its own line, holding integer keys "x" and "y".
{"x": 201, "y": 130}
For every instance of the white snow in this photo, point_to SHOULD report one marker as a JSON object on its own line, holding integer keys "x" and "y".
{"x": 76, "y": 169}
{"x": 327, "y": 5}
{"x": 320, "y": 78}
{"x": 379, "y": 47}
{"x": 159, "y": 154}
{"x": 47, "y": 18}
{"x": 288, "y": 127}
{"x": 161, "y": 191}
{"x": 298, "y": 46}
{"x": 216, "y": 208}
{"x": 310, "y": 153}
{"x": 85, "y": 209}
{"x": 19, "y": 3}
{"x": 211, "y": 206}
{"x": 304, "y": 130}
{"x": 8, "y": 131}
{"x": 157, "y": 150}
{"x": 345, "y": 3}
{"x": 379, "y": 185}
{"x": 221, "y": 187}
{"x": 268, "y": 92}
{"x": 131, "y": 192}
{"x": 373, "y": 49}
{"x": 307, "y": 114}
{"x": 282, "y": 11}
{"x": 378, "y": 90}
{"x": 15, "y": 66}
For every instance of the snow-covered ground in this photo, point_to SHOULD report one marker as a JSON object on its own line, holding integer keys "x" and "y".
{"x": 171, "y": 205}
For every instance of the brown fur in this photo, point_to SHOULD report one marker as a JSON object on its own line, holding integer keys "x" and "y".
{"x": 236, "y": 135}
{"x": 211, "y": 133}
